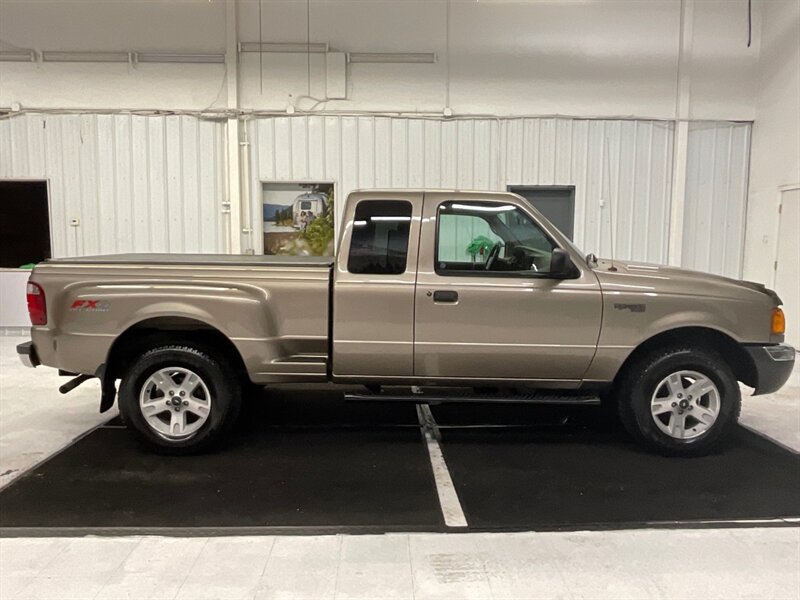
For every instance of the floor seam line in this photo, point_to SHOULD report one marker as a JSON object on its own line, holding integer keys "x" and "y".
{"x": 449, "y": 503}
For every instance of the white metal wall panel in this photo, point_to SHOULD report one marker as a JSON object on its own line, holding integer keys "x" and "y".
{"x": 136, "y": 183}
{"x": 619, "y": 168}
{"x": 156, "y": 183}
{"x": 716, "y": 197}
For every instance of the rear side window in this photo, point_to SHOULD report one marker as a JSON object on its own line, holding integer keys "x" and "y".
{"x": 379, "y": 245}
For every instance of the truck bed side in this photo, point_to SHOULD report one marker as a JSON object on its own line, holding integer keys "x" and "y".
{"x": 274, "y": 310}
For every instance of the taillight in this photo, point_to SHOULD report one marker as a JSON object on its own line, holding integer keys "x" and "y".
{"x": 37, "y": 307}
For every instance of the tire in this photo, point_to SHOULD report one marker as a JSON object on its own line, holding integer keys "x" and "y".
{"x": 192, "y": 398}
{"x": 679, "y": 401}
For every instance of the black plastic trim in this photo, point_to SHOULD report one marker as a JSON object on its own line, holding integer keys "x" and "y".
{"x": 771, "y": 374}
{"x": 27, "y": 353}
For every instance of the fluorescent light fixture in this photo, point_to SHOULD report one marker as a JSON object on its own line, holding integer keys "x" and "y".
{"x": 359, "y": 223}
{"x": 394, "y": 219}
{"x": 17, "y": 56}
{"x": 176, "y": 57}
{"x": 391, "y": 57}
{"x": 289, "y": 47}
{"x": 106, "y": 57}
{"x": 478, "y": 208}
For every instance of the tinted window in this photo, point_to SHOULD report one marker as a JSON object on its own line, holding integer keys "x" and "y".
{"x": 486, "y": 237}
{"x": 379, "y": 244}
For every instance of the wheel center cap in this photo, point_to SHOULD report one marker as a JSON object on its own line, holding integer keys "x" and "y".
{"x": 684, "y": 403}
{"x": 176, "y": 401}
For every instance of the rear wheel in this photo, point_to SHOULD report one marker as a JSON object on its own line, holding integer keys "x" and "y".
{"x": 679, "y": 401}
{"x": 180, "y": 399}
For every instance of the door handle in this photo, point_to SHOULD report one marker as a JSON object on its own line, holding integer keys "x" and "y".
{"x": 445, "y": 296}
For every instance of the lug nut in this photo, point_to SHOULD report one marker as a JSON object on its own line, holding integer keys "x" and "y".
{"x": 183, "y": 393}
{"x": 674, "y": 404}
{"x": 186, "y": 403}
{"x": 177, "y": 408}
{"x": 690, "y": 407}
{"x": 688, "y": 397}
{"x": 171, "y": 393}
{"x": 680, "y": 412}
{"x": 680, "y": 395}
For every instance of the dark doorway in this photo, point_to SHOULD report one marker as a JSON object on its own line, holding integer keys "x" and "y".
{"x": 557, "y": 203}
{"x": 24, "y": 223}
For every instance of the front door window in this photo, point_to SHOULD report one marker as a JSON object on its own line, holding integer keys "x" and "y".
{"x": 490, "y": 238}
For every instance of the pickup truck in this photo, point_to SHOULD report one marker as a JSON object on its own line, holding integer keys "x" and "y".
{"x": 432, "y": 296}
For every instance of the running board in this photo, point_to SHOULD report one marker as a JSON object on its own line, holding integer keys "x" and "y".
{"x": 537, "y": 397}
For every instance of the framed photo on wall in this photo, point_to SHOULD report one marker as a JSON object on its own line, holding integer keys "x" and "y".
{"x": 298, "y": 218}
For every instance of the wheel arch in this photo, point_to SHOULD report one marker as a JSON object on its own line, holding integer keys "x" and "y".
{"x": 153, "y": 331}
{"x": 700, "y": 337}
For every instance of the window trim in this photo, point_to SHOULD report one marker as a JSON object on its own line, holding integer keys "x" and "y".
{"x": 491, "y": 274}
{"x": 352, "y": 235}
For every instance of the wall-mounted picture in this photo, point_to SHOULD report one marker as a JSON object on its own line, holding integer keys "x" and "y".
{"x": 298, "y": 219}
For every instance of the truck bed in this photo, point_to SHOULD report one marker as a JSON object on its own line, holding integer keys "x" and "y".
{"x": 200, "y": 259}
{"x": 274, "y": 309}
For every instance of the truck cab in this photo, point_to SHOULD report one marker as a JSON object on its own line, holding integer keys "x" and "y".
{"x": 410, "y": 302}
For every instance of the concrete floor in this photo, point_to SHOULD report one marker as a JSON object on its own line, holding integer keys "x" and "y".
{"x": 36, "y": 421}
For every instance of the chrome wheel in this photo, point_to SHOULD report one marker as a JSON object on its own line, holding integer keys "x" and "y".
{"x": 685, "y": 404}
{"x": 175, "y": 403}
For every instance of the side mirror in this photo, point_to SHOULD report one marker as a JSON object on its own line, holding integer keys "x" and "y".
{"x": 560, "y": 264}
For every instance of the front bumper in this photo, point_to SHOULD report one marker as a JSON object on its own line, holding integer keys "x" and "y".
{"x": 773, "y": 366}
{"x": 27, "y": 354}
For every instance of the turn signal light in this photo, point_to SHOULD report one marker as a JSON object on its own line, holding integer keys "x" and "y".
{"x": 37, "y": 307}
{"x": 778, "y": 322}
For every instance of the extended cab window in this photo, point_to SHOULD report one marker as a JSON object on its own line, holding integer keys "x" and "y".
{"x": 379, "y": 244}
{"x": 490, "y": 237}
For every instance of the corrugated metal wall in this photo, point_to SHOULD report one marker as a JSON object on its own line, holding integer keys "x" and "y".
{"x": 627, "y": 164}
{"x": 716, "y": 197}
{"x": 156, "y": 183}
{"x": 136, "y": 183}
{"x": 621, "y": 170}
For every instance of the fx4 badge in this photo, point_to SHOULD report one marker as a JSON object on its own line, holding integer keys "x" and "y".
{"x": 634, "y": 308}
{"x": 90, "y": 305}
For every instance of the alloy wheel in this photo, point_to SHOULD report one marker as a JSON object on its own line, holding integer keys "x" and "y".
{"x": 175, "y": 403}
{"x": 685, "y": 404}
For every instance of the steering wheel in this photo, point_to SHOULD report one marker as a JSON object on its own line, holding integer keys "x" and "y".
{"x": 493, "y": 254}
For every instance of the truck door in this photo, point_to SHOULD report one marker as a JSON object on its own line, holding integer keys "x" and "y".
{"x": 373, "y": 288}
{"x": 486, "y": 307}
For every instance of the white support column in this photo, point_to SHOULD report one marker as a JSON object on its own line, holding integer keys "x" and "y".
{"x": 232, "y": 130}
{"x": 681, "y": 138}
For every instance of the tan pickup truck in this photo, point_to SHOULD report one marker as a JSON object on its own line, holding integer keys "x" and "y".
{"x": 432, "y": 296}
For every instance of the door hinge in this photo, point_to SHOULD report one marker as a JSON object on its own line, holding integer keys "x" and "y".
{"x": 775, "y": 266}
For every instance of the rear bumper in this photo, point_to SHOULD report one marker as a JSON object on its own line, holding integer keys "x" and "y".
{"x": 773, "y": 366}
{"x": 27, "y": 354}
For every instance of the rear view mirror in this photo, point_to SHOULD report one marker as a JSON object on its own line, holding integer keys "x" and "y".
{"x": 560, "y": 264}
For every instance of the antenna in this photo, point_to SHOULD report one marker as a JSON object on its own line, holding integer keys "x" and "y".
{"x": 607, "y": 177}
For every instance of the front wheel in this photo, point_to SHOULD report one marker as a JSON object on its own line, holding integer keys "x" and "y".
{"x": 179, "y": 399}
{"x": 680, "y": 401}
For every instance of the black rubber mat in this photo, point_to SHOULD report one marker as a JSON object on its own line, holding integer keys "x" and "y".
{"x": 308, "y": 462}
{"x": 586, "y": 473}
{"x": 352, "y": 473}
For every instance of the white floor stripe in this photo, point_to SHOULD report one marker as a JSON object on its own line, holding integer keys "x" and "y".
{"x": 448, "y": 498}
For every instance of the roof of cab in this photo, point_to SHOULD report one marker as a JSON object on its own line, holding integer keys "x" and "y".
{"x": 454, "y": 192}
